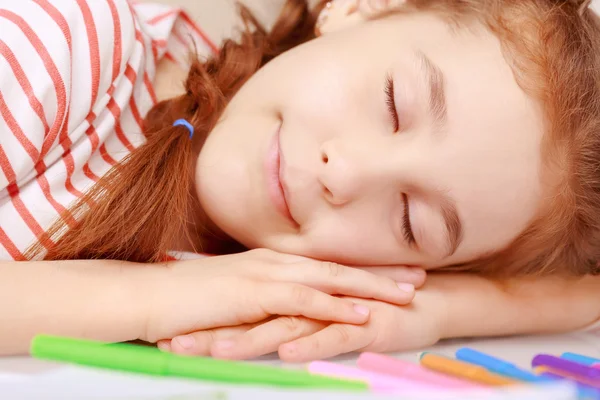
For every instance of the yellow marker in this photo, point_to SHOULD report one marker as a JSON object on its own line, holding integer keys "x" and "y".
{"x": 461, "y": 369}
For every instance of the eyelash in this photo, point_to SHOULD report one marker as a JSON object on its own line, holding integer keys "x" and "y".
{"x": 390, "y": 101}
{"x": 406, "y": 226}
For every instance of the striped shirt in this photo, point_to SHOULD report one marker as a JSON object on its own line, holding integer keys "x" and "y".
{"x": 76, "y": 79}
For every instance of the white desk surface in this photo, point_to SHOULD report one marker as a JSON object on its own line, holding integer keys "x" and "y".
{"x": 23, "y": 378}
{"x": 519, "y": 350}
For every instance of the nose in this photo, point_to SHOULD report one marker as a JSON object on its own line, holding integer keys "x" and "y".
{"x": 348, "y": 170}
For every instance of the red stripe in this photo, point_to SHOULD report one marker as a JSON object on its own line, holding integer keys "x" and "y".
{"x": 136, "y": 114}
{"x": 160, "y": 42}
{"x": 13, "y": 125}
{"x": 10, "y": 247}
{"x": 7, "y": 169}
{"x": 34, "y": 102}
{"x": 132, "y": 76}
{"x": 118, "y": 50}
{"x": 52, "y": 70}
{"x": 116, "y": 112}
{"x": 57, "y": 17}
{"x": 154, "y": 52}
{"x": 65, "y": 141}
{"x": 147, "y": 82}
{"x": 92, "y": 34}
{"x": 45, "y": 186}
{"x": 31, "y": 223}
{"x": 13, "y": 191}
{"x": 200, "y": 32}
{"x": 89, "y": 173}
{"x": 70, "y": 165}
{"x": 106, "y": 157}
{"x": 170, "y": 57}
{"x": 150, "y": 88}
{"x": 93, "y": 136}
{"x": 181, "y": 39}
{"x": 157, "y": 19}
{"x": 40, "y": 167}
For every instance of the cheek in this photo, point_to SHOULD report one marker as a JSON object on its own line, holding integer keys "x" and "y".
{"x": 352, "y": 238}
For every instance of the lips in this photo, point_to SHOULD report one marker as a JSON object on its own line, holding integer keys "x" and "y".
{"x": 275, "y": 184}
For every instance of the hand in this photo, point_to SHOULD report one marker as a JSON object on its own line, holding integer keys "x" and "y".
{"x": 298, "y": 339}
{"x": 231, "y": 290}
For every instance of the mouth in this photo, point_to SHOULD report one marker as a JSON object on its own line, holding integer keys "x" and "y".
{"x": 275, "y": 183}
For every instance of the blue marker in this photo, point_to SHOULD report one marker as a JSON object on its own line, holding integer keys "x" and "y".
{"x": 498, "y": 366}
{"x": 578, "y": 358}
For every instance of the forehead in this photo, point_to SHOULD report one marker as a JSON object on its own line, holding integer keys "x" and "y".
{"x": 489, "y": 155}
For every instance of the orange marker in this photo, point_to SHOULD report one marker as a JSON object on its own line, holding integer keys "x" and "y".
{"x": 461, "y": 369}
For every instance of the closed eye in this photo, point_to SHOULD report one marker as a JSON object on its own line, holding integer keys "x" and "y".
{"x": 390, "y": 101}
{"x": 406, "y": 225}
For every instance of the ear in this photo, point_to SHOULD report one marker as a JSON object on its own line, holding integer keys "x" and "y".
{"x": 337, "y": 15}
{"x": 341, "y": 14}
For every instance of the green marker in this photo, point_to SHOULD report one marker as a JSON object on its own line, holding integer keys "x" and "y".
{"x": 151, "y": 361}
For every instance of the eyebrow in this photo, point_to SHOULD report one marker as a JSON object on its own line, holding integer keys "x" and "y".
{"x": 438, "y": 107}
{"x": 453, "y": 224}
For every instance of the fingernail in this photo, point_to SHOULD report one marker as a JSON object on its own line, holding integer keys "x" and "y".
{"x": 187, "y": 342}
{"x": 406, "y": 287}
{"x": 164, "y": 345}
{"x": 224, "y": 345}
{"x": 362, "y": 310}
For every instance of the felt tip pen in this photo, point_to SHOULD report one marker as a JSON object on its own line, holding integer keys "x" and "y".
{"x": 403, "y": 369}
{"x": 377, "y": 382}
{"x": 151, "y": 361}
{"x": 571, "y": 367}
{"x": 579, "y": 358}
{"x": 496, "y": 365}
{"x": 464, "y": 370}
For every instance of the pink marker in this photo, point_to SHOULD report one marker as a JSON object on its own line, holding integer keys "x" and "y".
{"x": 378, "y": 383}
{"x": 393, "y": 367}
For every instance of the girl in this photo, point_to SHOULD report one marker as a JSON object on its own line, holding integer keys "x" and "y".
{"x": 432, "y": 134}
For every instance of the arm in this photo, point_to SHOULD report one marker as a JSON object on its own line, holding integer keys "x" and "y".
{"x": 476, "y": 306}
{"x": 90, "y": 299}
{"x": 118, "y": 301}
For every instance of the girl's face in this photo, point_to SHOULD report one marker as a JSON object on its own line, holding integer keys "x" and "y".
{"x": 394, "y": 141}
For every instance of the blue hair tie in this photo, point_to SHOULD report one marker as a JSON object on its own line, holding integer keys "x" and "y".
{"x": 183, "y": 122}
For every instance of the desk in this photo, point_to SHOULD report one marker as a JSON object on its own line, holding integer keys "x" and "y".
{"x": 519, "y": 350}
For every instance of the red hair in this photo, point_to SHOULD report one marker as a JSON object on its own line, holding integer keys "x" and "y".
{"x": 141, "y": 207}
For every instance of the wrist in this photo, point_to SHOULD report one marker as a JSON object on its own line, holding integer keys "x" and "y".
{"x": 141, "y": 287}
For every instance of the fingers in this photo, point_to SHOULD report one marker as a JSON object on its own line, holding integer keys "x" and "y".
{"x": 199, "y": 343}
{"x": 275, "y": 298}
{"x": 265, "y": 338}
{"x": 333, "y": 340}
{"x": 411, "y": 275}
{"x": 338, "y": 279}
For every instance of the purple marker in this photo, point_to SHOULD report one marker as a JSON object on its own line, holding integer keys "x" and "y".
{"x": 566, "y": 366}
